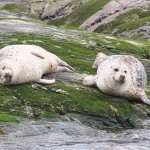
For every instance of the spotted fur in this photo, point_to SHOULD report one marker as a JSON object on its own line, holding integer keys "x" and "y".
{"x": 120, "y": 75}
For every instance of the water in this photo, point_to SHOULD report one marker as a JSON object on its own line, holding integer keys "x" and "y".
{"x": 71, "y": 135}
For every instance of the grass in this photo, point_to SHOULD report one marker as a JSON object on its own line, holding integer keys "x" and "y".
{"x": 131, "y": 20}
{"x": 81, "y": 14}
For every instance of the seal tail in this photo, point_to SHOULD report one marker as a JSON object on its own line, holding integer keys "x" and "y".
{"x": 63, "y": 63}
{"x": 145, "y": 99}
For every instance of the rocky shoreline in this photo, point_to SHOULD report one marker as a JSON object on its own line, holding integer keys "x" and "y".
{"x": 68, "y": 95}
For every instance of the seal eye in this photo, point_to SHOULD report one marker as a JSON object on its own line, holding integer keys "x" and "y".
{"x": 3, "y": 68}
{"x": 116, "y": 70}
{"x": 125, "y": 71}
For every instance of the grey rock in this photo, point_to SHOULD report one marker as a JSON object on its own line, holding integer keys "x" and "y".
{"x": 142, "y": 32}
{"x": 60, "y": 8}
{"x": 110, "y": 11}
{"x": 68, "y": 133}
{"x": 4, "y": 2}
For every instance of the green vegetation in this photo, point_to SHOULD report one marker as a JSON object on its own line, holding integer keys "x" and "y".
{"x": 81, "y": 14}
{"x": 21, "y": 9}
{"x": 132, "y": 25}
{"x": 45, "y": 101}
{"x": 146, "y": 54}
{"x": 110, "y": 45}
{"x": 16, "y": 8}
{"x": 75, "y": 54}
{"x": 5, "y": 117}
{"x": 38, "y": 101}
{"x": 131, "y": 20}
{"x": 70, "y": 28}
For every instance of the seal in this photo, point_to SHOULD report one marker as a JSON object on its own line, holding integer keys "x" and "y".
{"x": 27, "y": 63}
{"x": 119, "y": 75}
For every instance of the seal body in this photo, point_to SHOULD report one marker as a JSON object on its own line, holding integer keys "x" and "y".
{"x": 120, "y": 75}
{"x": 27, "y": 63}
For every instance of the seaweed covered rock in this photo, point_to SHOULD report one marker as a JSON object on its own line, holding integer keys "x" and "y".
{"x": 68, "y": 94}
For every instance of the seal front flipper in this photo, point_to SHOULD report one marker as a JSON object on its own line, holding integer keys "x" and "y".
{"x": 37, "y": 55}
{"x": 45, "y": 81}
{"x": 90, "y": 80}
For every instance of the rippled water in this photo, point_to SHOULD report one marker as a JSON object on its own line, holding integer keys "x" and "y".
{"x": 71, "y": 135}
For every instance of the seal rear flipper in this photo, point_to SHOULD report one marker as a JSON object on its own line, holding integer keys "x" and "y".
{"x": 63, "y": 63}
{"x": 37, "y": 55}
{"x": 62, "y": 69}
{"x": 145, "y": 100}
{"x": 45, "y": 81}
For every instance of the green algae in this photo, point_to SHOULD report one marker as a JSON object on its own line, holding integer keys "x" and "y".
{"x": 6, "y": 117}
{"x": 45, "y": 101}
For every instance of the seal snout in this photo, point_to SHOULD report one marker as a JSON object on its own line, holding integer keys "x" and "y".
{"x": 122, "y": 78}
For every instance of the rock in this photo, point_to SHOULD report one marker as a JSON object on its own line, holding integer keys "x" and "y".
{"x": 60, "y": 8}
{"x": 4, "y": 2}
{"x": 110, "y": 11}
{"x": 142, "y": 32}
{"x": 2, "y": 131}
{"x": 78, "y": 48}
{"x": 62, "y": 92}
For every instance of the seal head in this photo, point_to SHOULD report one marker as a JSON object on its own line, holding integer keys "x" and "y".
{"x": 5, "y": 75}
{"x": 118, "y": 73}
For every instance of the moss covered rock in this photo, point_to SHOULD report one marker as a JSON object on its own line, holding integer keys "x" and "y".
{"x": 68, "y": 95}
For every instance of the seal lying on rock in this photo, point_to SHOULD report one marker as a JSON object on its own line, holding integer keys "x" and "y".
{"x": 27, "y": 63}
{"x": 120, "y": 75}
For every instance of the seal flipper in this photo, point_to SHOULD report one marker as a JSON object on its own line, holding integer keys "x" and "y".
{"x": 62, "y": 69}
{"x": 90, "y": 80}
{"x": 59, "y": 61}
{"x": 64, "y": 64}
{"x": 37, "y": 55}
{"x": 145, "y": 99}
{"x": 100, "y": 57}
{"x": 45, "y": 81}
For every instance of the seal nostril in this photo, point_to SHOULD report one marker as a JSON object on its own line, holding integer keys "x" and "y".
{"x": 123, "y": 77}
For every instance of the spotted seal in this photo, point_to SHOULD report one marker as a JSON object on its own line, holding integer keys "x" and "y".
{"x": 120, "y": 75}
{"x": 27, "y": 63}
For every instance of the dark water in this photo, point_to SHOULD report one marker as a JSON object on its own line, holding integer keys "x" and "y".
{"x": 71, "y": 135}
